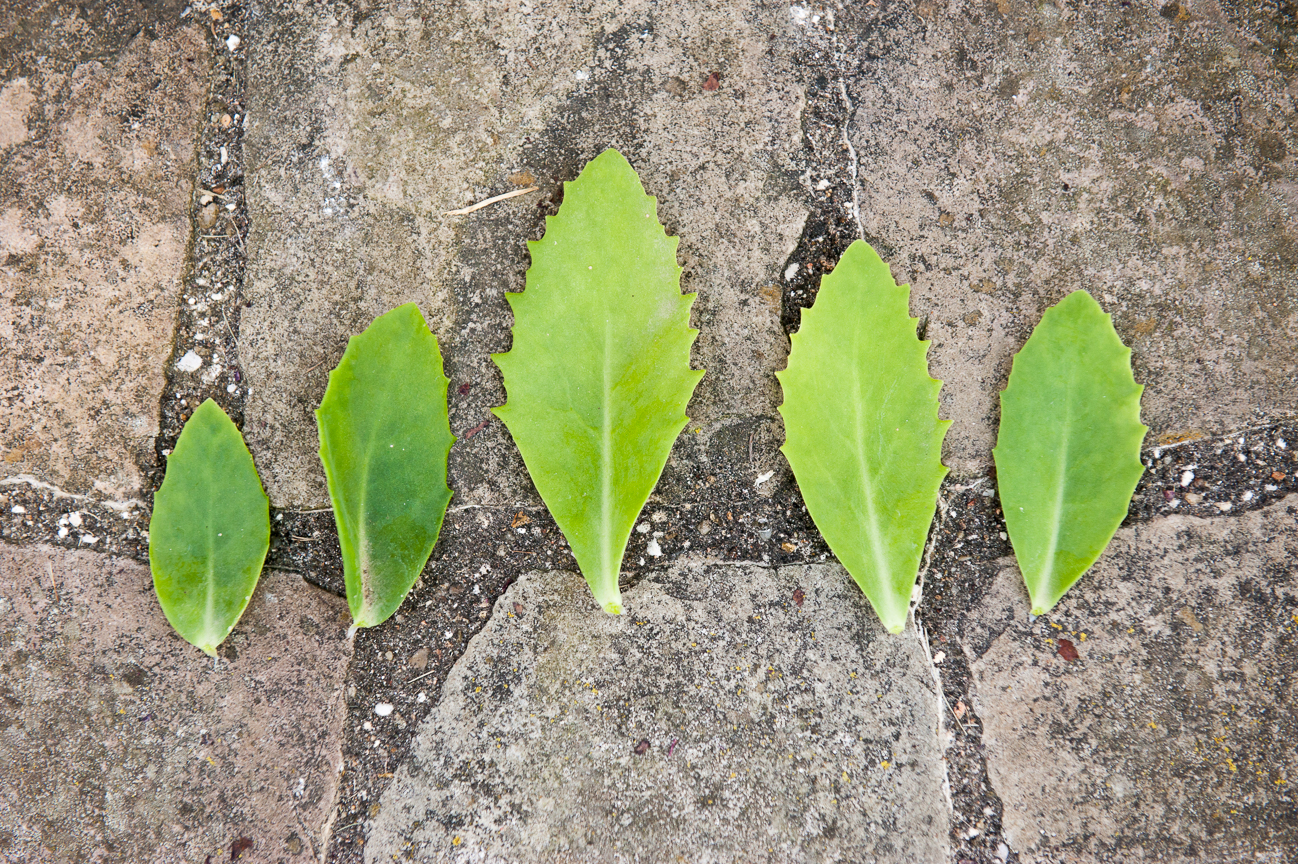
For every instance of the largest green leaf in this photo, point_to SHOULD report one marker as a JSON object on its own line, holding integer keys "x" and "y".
{"x": 599, "y": 374}
{"x": 1068, "y": 451}
{"x": 384, "y": 441}
{"x": 210, "y": 530}
{"x": 861, "y": 428}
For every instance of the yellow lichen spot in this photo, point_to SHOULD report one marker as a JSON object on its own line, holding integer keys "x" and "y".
{"x": 847, "y": 779}
{"x": 1230, "y": 763}
{"x": 1081, "y": 636}
{"x": 885, "y": 765}
{"x": 1056, "y": 626}
{"x": 456, "y": 842}
{"x": 477, "y": 689}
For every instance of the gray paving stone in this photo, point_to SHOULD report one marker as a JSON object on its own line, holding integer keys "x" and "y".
{"x": 1170, "y": 737}
{"x": 719, "y": 720}
{"x": 96, "y": 175}
{"x": 1011, "y": 153}
{"x": 121, "y": 742}
{"x": 363, "y": 133}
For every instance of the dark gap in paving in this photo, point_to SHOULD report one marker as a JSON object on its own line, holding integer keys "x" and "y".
{"x": 207, "y": 322}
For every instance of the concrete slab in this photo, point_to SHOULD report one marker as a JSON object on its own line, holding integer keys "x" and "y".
{"x": 1170, "y": 736}
{"x": 97, "y": 170}
{"x": 1011, "y": 153}
{"x": 364, "y": 130}
{"x": 121, "y": 742}
{"x": 720, "y": 720}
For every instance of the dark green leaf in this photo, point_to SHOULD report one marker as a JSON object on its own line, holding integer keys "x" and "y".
{"x": 210, "y": 530}
{"x": 384, "y": 440}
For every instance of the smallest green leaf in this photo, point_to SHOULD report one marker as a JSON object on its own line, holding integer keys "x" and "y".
{"x": 1068, "y": 451}
{"x": 210, "y": 530}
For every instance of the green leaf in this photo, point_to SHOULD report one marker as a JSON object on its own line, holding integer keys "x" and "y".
{"x": 1068, "y": 451}
{"x": 384, "y": 441}
{"x": 861, "y": 428}
{"x": 599, "y": 374}
{"x": 210, "y": 530}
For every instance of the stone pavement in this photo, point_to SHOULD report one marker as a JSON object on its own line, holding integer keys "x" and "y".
{"x": 251, "y": 185}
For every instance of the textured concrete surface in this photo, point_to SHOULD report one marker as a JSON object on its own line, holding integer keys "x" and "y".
{"x": 1170, "y": 736}
{"x": 122, "y": 742}
{"x": 364, "y": 130}
{"x": 1012, "y": 152}
{"x": 726, "y": 717}
{"x": 96, "y": 173}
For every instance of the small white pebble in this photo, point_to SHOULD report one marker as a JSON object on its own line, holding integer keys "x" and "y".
{"x": 763, "y": 478}
{"x": 63, "y": 532}
{"x": 18, "y": 508}
{"x": 1281, "y": 443}
{"x": 89, "y": 539}
{"x": 642, "y": 528}
{"x": 367, "y": 726}
{"x": 1223, "y": 506}
{"x": 1003, "y": 535}
{"x": 938, "y": 658}
{"x": 1270, "y": 487}
{"x": 74, "y": 519}
{"x": 1241, "y": 457}
{"x": 1187, "y": 478}
{"x": 447, "y": 635}
{"x": 790, "y": 272}
{"x": 652, "y": 548}
{"x": 581, "y": 75}
{"x": 189, "y": 362}
{"x": 1247, "y": 496}
{"x": 232, "y": 42}
{"x": 231, "y": 388}
{"x": 383, "y": 709}
{"x": 421, "y": 698}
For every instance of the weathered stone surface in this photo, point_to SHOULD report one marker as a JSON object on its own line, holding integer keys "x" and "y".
{"x": 121, "y": 742}
{"x": 1011, "y": 153}
{"x": 363, "y": 131}
{"x": 96, "y": 170}
{"x": 1171, "y": 736}
{"x": 720, "y": 720}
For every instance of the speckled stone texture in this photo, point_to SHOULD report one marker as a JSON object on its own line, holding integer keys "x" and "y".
{"x": 1011, "y": 152}
{"x": 1169, "y": 738}
{"x": 121, "y": 742}
{"x": 96, "y": 173}
{"x": 364, "y": 130}
{"x": 718, "y": 720}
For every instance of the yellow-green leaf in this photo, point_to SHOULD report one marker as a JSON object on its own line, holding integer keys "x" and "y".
{"x": 210, "y": 530}
{"x": 861, "y": 427}
{"x": 1068, "y": 451}
{"x": 599, "y": 374}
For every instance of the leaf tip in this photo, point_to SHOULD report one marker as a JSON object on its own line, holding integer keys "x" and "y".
{"x": 612, "y": 607}
{"x": 896, "y": 629}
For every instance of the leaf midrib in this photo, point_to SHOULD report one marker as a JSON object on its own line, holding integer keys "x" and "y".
{"x": 606, "y": 447}
{"x": 1061, "y": 483}
{"x": 872, "y": 520}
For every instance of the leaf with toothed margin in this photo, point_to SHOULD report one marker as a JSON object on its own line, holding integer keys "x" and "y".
{"x": 861, "y": 427}
{"x": 210, "y": 530}
{"x": 1068, "y": 451}
{"x": 599, "y": 374}
{"x": 384, "y": 441}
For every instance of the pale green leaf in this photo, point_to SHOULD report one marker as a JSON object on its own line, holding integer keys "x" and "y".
{"x": 210, "y": 530}
{"x": 861, "y": 428}
{"x": 599, "y": 374}
{"x": 1068, "y": 452}
{"x": 384, "y": 441}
